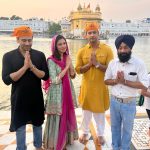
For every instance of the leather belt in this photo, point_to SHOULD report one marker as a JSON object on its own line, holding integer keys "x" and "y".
{"x": 124, "y": 100}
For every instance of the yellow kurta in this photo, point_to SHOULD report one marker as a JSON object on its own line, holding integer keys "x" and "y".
{"x": 94, "y": 94}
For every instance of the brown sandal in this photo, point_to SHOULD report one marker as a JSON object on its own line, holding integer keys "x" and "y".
{"x": 100, "y": 140}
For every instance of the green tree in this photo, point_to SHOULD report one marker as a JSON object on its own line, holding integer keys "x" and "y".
{"x": 54, "y": 28}
{"x": 4, "y": 18}
{"x": 14, "y": 17}
{"x": 41, "y": 19}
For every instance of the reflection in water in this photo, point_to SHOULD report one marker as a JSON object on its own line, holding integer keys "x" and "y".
{"x": 141, "y": 49}
{"x": 75, "y": 45}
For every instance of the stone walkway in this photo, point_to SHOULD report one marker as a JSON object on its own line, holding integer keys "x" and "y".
{"x": 8, "y": 142}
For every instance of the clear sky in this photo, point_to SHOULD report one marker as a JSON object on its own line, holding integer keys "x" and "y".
{"x": 117, "y": 10}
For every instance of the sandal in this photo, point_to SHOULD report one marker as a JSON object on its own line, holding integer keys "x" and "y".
{"x": 100, "y": 140}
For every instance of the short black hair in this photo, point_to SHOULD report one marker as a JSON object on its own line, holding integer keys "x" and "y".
{"x": 56, "y": 53}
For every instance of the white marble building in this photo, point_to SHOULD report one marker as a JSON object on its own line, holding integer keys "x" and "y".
{"x": 65, "y": 26}
{"x": 139, "y": 28}
{"x": 36, "y": 24}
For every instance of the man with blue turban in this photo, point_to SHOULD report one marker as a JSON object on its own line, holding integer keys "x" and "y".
{"x": 126, "y": 74}
{"x": 129, "y": 41}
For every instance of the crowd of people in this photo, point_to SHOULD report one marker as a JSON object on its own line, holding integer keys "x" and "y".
{"x": 24, "y": 68}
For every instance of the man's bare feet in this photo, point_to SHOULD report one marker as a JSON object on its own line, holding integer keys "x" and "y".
{"x": 100, "y": 140}
{"x": 83, "y": 138}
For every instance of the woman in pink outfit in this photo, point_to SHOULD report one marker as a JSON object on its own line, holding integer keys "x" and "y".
{"x": 61, "y": 126}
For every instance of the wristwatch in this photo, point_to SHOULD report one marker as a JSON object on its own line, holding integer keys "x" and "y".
{"x": 97, "y": 65}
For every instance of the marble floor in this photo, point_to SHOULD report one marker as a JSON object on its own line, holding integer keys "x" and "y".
{"x": 8, "y": 142}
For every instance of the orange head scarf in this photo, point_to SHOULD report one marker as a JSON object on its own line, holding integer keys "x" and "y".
{"x": 22, "y": 31}
{"x": 91, "y": 26}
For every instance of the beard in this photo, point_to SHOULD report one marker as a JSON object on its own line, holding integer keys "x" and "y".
{"x": 124, "y": 57}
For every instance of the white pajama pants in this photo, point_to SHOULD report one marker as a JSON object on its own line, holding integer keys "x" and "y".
{"x": 99, "y": 122}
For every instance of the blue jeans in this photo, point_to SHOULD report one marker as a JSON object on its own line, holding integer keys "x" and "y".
{"x": 21, "y": 137}
{"x": 122, "y": 119}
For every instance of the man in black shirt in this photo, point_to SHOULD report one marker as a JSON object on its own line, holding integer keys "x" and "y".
{"x": 24, "y": 68}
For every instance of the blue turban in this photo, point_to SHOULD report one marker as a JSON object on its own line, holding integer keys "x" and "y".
{"x": 127, "y": 39}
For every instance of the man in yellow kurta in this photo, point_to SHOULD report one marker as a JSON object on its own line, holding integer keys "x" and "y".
{"x": 92, "y": 61}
